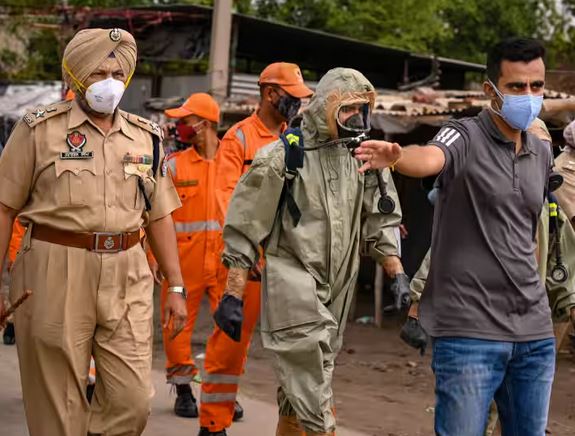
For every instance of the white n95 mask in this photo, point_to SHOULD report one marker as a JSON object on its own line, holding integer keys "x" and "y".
{"x": 105, "y": 95}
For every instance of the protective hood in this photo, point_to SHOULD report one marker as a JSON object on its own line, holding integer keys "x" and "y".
{"x": 338, "y": 87}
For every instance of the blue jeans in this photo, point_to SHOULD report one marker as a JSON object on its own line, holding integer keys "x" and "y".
{"x": 470, "y": 373}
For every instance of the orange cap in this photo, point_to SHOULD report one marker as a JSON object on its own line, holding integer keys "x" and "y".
{"x": 70, "y": 95}
{"x": 200, "y": 104}
{"x": 288, "y": 77}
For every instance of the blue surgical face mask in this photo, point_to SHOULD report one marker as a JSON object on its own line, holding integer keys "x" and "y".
{"x": 519, "y": 111}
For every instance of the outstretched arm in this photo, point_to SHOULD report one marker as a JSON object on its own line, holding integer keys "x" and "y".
{"x": 413, "y": 161}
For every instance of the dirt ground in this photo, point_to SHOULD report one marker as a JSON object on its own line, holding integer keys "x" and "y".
{"x": 383, "y": 387}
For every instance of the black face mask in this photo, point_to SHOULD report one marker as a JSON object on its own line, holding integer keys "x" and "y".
{"x": 288, "y": 106}
{"x": 352, "y": 127}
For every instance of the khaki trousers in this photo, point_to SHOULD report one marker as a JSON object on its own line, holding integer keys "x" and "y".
{"x": 84, "y": 303}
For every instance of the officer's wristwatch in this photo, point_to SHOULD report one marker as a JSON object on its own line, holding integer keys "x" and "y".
{"x": 177, "y": 290}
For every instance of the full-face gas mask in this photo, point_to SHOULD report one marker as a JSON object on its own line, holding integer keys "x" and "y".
{"x": 349, "y": 123}
{"x": 353, "y": 120}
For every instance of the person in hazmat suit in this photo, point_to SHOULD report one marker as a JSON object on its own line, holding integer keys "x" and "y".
{"x": 312, "y": 222}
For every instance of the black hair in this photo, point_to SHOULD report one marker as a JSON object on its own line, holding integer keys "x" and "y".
{"x": 513, "y": 50}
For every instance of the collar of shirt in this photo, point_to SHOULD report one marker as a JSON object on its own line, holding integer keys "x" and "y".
{"x": 486, "y": 120}
{"x": 261, "y": 128}
{"x": 190, "y": 154}
{"x": 78, "y": 117}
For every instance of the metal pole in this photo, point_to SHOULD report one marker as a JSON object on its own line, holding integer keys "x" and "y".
{"x": 220, "y": 48}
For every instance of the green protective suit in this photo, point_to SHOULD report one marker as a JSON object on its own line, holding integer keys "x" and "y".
{"x": 311, "y": 269}
{"x": 561, "y": 295}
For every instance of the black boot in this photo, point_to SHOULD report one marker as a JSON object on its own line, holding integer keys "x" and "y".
{"x": 9, "y": 337}
{"x": 205, "y": 432}
{"x": 238, "y": 412}
{"x": 185, "y": 405}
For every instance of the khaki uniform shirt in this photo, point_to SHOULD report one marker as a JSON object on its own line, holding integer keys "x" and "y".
{"x": 43, "y": 176}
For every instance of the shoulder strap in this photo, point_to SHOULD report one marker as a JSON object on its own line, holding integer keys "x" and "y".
{"x": 553, "y": 212}
{"x": 294, "y": 158}
{"x": 42, "y": 113}
{"x": 155, "y": 165}
{"x": 156, "y": 154}
{"x": 143, "y": 123}
{"x": 294, "y": 152}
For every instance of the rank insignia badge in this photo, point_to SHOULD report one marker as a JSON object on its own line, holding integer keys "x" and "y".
{"x": 76, "y": 141}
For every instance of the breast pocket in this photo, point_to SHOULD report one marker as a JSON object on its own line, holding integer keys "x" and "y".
{"x": 136, "y": 188}
{"x": 76, "y": 182}
{"x": 137, "y": 183}
{"x": 187, "y": 191}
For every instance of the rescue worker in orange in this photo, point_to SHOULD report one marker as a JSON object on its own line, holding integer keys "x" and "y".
{"x": 281, "y": 90}
{"x": 198, "y": 231}
{"x": 84, "y": 178}
{"x": 17, "y": 235}
{"x": 8, "y": 335}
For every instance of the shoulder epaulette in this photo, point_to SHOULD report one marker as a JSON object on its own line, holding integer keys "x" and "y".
{"x": 145, "y": 124}
{"x": 42, "y": 113}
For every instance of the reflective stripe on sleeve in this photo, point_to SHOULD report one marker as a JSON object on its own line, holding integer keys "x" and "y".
{"x": 197, "y": 226}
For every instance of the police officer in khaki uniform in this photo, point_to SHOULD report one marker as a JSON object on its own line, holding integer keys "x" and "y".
{"x": 85, "y": 177}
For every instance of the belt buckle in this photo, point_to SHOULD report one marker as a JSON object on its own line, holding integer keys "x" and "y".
{"x": 109, "y": 244}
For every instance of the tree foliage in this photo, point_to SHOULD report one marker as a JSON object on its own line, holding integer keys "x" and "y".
{"x": 461, "y": 29}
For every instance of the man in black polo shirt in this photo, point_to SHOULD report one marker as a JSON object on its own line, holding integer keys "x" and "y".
{"x": 484, "y": 304}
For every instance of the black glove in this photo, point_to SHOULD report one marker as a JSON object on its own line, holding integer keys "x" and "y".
{"x": 413, "y": 335}
{"x": 400, "y": 290}
{"x": 229, "y": 316}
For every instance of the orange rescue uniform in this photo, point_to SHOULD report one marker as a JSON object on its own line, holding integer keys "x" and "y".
{"x": 18, "y": 231}
{"x": 225, "y": 358}
{"x": 199, "y": 234}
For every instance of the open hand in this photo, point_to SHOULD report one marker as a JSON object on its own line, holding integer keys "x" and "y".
{"x": 377, "y": 154}
{"x": 175, "y": 313}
